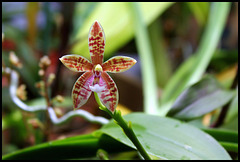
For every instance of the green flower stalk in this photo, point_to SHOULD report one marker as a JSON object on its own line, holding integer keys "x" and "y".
{"x": 126, "y": 127}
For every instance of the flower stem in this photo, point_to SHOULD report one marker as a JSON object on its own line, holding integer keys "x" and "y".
{"x": 126, "y": 127}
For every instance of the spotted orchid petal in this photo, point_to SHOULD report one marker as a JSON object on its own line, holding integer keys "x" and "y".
{"x": 118, "y": 64}
{"x": 96, "y": 43}
{"x": 76, "y": 63}
{"x": 81, "y": 91}
{"x": 109, "y": 95}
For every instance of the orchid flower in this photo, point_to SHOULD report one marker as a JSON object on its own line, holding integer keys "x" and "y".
{"x": 96, "y": 78}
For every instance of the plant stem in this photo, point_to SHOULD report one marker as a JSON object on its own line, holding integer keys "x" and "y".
{"x": 102, "y": 154}
{"x": 48, "y": 102}
{"x": 126, "y": 126}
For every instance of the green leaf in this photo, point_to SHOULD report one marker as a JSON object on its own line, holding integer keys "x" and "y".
{"x": 168, "y": 138}
{"x": 70, "y": 148}
{"x": 117, "y": 22}
{"x": 223, "y": 135}
{"x": 200, "y": 10}
{"x": 161, "y": 59}
{"x": 231, "y": 120}
{"x": 193, "y": 69}
{"x": 223, "y": 59}
{"x": 56, "y": 150}
{"x": 199, "y": 99}
{"x": 229, "y": 146}
{"x": 233, "y": 110}
{"x": 146, "y": 56}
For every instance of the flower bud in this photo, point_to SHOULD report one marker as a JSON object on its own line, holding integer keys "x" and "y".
{"x": 21, "y": 92}
{"x": 44, "y": 62}
{"x": 35, "y": 123}
{"x": 14, "y": 59}
{"x": 58, "y": 112}
{"x": 41, "y": 72}
{"x": 51, "y": 77}
{"x": 59, "y": 98}
{"x": 40, "y": 85}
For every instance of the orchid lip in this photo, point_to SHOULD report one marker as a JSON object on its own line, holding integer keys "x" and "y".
{"x": 96, "y": 88}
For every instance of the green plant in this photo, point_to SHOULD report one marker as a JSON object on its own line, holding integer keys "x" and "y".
{"x": 188, "y": 112}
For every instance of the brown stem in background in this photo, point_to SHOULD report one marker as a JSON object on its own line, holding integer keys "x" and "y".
{"x": 46, "y": 92}
{"x": 225, "y": 108}
{"x": 48, "y": 123}
{"x": 67, "y": 9}
{"x": 66, "y": 28}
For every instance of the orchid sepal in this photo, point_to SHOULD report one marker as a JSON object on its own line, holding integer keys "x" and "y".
{"x": 76, "y": 63}
{"x": 118, "y": 64}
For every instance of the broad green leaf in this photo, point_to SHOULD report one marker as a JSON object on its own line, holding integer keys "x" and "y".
{"x": 81, "y": 146}
{"x": 56, "y": 150}
{"x": 193, "y": 69}
{"x": 199, "y": 99}
{"x": 117, "y": 22}
{"x": 167, "y": 138}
